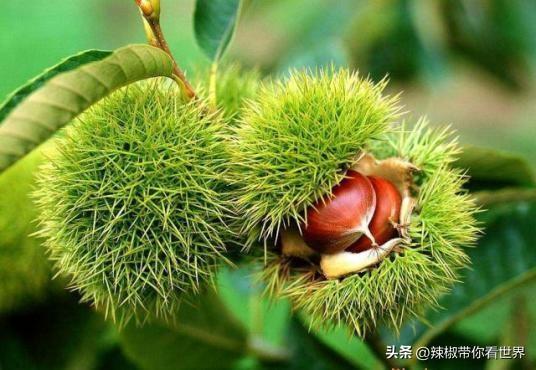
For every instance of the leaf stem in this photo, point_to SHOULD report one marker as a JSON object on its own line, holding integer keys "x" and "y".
{"x": 151, "y": 15}
{"x": 212, "y": 92}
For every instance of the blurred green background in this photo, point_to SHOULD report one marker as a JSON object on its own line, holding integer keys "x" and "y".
{"x": 467, "y": 63}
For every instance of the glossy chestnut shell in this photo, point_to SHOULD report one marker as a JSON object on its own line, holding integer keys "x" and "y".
{"x": 386, "y": 214}
{"x": 337, "y": 221}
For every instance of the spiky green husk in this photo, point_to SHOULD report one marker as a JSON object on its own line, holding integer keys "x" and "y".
{"x": 24, "y": 269}
{"x": 297, "y": 139}
{"x": 403, "y": 285}
{"x": 134, "y": 204}
{"x": 427, "y": 149}
{"x": 234, "y": 86}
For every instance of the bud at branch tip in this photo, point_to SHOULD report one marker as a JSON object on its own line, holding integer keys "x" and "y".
{"x": 150, "y": 9}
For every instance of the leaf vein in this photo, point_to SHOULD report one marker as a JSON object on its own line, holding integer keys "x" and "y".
{"x": 70, "y": 89}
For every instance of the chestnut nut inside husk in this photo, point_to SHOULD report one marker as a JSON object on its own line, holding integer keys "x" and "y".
{"x": 341, "y": 218}
{"x": 361, "y": 222}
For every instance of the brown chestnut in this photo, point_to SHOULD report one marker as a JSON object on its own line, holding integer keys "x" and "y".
{"x": 338, "y": 220}
{"x": 386, "y": 215}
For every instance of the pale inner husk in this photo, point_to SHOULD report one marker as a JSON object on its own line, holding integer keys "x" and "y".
{"x": 397, "y": 171}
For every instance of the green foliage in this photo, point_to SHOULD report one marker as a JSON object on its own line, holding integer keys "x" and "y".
{"x": 316, "y": 38}
{"x": 490, "y": 168}
{"x": 504, "y": 259}
{"x": 36, "y": 83}
{"x": 354, "y": 349}
{"x": 511, "y": 194}
{"x": 24, "y": 270}
{"x": 296, "y": 140}
{"x": 512, "y": 315}
{"x": 203, "y": 336}
{"x": 57, "y": 334}
{"x": 420, "y": 40}
{"x": 475, "y": 36}
{"x": 215, "y": 24}
{"x": 384, "y": 38}
{"x": 308, "y": 350}
{"x": 55, "y": 99}
{"x": 245, "y": 299}
{"x": 134, "y": 204}
{"x": 405, "y": 284}
{"x": 427, "y": 149}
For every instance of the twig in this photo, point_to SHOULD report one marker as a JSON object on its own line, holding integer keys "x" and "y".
{"x": 150, "y": 11}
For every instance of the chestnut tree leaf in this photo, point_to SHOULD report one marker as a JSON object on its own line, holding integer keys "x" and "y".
{"x": 308, "y": 352}
{"x": 487, "y": 198}
{"x": 491, "y": 169}
{"x": 504, "y": 260}
{"x": 204, "y": 336}
{"x": 35, "y": 112}
{"x": 66, "y": 65}
{"x": 214, "y": 25}
{"x": 244, "y": 298}
{"x": 272, "y": 321}
{"x": 352, "y": 348}
{"x": 510, "y": 312}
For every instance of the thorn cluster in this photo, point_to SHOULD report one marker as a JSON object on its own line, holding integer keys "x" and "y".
{"x": 294, "y": 144}
{"x": 235, "y": 87}
{"x": 296, "y": 140}
{"x": 134, "y": 206}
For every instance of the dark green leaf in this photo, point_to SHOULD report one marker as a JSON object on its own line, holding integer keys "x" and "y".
{"x": 490, "y": 168}
{"x": 215, "y": 24}
{"x": 487, "y": 198}
{"x": 493, "y": 35}
{"x": 317, "y": 38}
{"x": 114, "y": 359}
{"x": 205, "y": 336}
{"x": 61, "y": 98}
{"x": 514, "y": 309}
{"x": 504, "y": 259}
{"x": 65, "y": 65}
{"x": 259, "y": 315}
{"x": 307, "y": 352}
{"x": 350, "y": 347}
{"x": 57, "y": 334}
